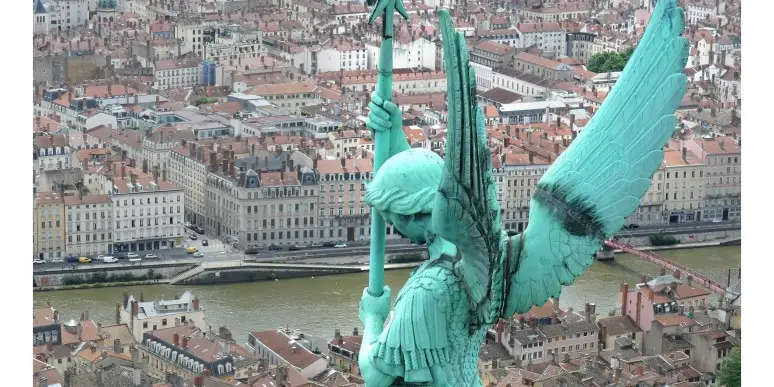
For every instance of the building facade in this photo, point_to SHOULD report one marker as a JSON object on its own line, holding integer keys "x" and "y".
{"x": 89, "y": 224}
{"x": 49, "y": 215}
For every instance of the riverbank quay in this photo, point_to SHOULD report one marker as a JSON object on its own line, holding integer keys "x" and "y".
{"x": 206, "y": 273}
{"x": 248, "y": 270}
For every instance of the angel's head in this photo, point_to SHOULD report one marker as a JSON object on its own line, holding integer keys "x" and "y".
{"x": 403, "y": 191}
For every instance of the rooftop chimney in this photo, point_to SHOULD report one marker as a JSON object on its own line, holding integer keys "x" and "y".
{"x": 117, "y": 345}
{"x": 185, "y": 342}
{"x": 624, "y": 297}
{"x": 176, "y": 339}
{"x": 355, "y": 332}
{"x": 556, "y": 147}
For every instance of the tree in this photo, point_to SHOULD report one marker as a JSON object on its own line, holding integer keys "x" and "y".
{"x": 731, "y": 369}
{"x": 608, "y": 61}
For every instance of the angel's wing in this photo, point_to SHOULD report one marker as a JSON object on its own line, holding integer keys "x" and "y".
{"x": 600, "y": 179}
{"x": 466, "y": 211}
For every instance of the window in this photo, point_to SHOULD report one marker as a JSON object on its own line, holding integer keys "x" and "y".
{"x": 145, "y": 325}
{"x": 163, "y": 322}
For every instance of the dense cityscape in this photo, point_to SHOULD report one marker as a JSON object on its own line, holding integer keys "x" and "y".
{"x": 191, "y": 142}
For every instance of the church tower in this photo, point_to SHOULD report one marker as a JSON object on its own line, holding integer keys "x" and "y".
{"x": 106, "y": 14}
{"x": 40, "y": 18}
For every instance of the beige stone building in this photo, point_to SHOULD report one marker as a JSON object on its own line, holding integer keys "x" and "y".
{"x": 257, "y": 206}
{"x": 343, "y": 213}
{"x": 650, "y": 210}
{"x": 683, "y": 185}
{"x": 722, "y": 159}
{"x": 516, "y": 181}
{"x": 89, "y": 224}
{"x": 49, "y": 215}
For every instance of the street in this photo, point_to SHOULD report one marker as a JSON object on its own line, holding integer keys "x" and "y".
{"x": 217, "y": 250}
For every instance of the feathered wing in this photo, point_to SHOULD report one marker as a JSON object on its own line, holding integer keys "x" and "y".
{"x": 600, "y": 179}
{"x": 466, "y": 211}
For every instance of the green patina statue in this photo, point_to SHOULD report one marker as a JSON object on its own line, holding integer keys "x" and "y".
{"x": 476, "y": 274}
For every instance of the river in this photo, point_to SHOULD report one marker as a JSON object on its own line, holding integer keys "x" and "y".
{"x": 319, "y": 305}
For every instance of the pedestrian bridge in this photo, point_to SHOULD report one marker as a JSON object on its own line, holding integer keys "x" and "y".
{"x": 238, "y": 265}
{"x": 678, "y": 270}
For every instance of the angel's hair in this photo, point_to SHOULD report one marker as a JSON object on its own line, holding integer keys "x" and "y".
{"x": 406, "y": 184}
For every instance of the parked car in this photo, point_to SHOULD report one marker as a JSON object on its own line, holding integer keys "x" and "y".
{"x": 717, "y": 221}
{"x": 151, "y": 256}
{"x": 135, "y": 260}
{"x": 251, "y": 251}
{"x": 199, "y": 230}
{"x": 38, "y": 261}
{"x": 132, "y": 255}
{"x": 297, "y": 247}
{"x": 316, "y": 245}
{"x": 120, "y": 256}
{"x": 205, "y": 242}
{"x": 274, "y": 247}
{"x": 329, "y": 244}
{"x": 109, "y": 260}
{"x": 57, "y": 260}
{"x": 193, "y": 237}
{"x": 632, "y": 226}
{"x": 72, "y": 260}
{"x": 187, "y": 224}
{"x": 84, "y": 260}
{"x": 340, "y": 244}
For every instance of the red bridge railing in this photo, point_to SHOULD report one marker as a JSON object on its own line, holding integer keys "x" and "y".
{"x": 675, "y": 267}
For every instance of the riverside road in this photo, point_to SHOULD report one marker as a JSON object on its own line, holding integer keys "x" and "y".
{"x": 216, "y": 250}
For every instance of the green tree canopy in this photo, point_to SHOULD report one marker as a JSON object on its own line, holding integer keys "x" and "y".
{"x": 609, "y": 61}
{"x": 731, "y": 370}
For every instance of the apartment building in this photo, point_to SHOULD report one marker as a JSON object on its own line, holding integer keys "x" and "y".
{"x": 683, "y": 186}
{"x": 261, "y": 207}
{"x": 49, "y": 215}
{"x": 521, "y": 82}
{"x": 508, "y": 37}
{"x": 344, "y": 351}
{"x": 156, "y": 146}
{"x": 89, "y": 224}
{"x": 288, "y": 95}
{"x": 147, "y": 316}
{"x": 548, "y": 36}
{"x": 192, "y": 37}
{"x": 650, "y": 210}
{"x": 711, "y": 348}
{"x": 543, "y": 67}
{"x": 343, "y": 214}
{"x": 516, "y": 181}
{"x": 185, "y": 352}
{"x": 148, "y": 211}
{"x": 341, "y": 55}
{"x": 573, "y": 339}
{"x": 52, "y": 153}
{"x": 188, "y": 170}
{"x": 280, "y": 348}
{"x": 404, "y": 81}
{"x": 409, "y": 54}
{"x": 174, "y": 73}
{"x": 492, "y": 54}
{"x": 722, "y": 159}
{"x": 559, "y": 12}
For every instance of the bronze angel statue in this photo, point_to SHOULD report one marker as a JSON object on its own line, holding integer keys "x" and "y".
{"x": 476, "y": 274}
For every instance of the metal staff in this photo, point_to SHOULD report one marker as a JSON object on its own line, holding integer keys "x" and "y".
{"x": 386, "y": 9}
